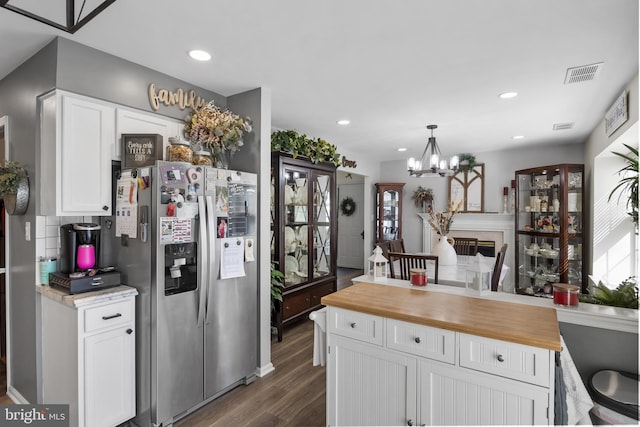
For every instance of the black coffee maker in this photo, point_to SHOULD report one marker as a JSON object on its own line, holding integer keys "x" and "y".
{"x": 79, "y": 247}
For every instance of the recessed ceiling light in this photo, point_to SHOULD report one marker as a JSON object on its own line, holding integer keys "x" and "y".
{"x": 343, "y": 122}
{"x": 508, "y": 95}
{"x": 518, "y": 137}
{"x": 200, "y": 55}
{"x": 402, "y": 149}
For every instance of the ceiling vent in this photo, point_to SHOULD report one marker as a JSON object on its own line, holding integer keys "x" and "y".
{"x": 583, "y": 73}
{"x": 563, "y": 126}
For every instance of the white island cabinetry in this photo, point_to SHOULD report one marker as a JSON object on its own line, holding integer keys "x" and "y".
{"x": 385, "y": 370}
{"x": 76, "y": 134}
{"x": 88, "y": 355}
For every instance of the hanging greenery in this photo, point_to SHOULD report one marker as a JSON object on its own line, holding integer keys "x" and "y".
{"x": 347, "y": 206}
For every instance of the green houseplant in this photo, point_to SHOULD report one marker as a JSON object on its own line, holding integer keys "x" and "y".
{"x": 628, "y": 184}
{"x": 625, "y": 295}
{"x": 317, "y": 150}
{"x": 276, "y": 286}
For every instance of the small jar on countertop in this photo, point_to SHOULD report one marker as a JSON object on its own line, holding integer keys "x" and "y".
{"x": 202, "y": 158}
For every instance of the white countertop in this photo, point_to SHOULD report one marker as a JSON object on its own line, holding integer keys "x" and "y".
{"x": 85, "y": 298}
{"x": 593, "y": 315}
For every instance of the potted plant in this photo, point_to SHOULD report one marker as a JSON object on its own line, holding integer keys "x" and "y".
{"x": 628, "y": 184}
{"x": 14, "y": 187}
{"x": 276, "y": 286}
{"x": 423, "y": 197}
{"x": 218, "y": 130}
{"x": 466, "y": 162}
{"x": 625, "y": 295}
{"x": 317, "y": 150}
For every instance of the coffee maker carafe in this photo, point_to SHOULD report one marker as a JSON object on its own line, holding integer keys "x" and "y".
{"x": 79, "y": 247}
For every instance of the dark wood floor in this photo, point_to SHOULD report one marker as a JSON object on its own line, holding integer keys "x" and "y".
{"x": 292, "y": 395}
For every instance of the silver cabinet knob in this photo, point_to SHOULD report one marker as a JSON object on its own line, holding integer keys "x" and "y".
{"x": 500, "y": 358}
{"x": 417, "y": 340}
{"x": 352, "y": 324}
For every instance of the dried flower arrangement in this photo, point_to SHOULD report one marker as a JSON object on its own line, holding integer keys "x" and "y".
{"x": 441, "y": 221}
{"x": 422, "y": 195}
{"x": 217, "y": 128}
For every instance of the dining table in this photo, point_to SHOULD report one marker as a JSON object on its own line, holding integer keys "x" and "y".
{"x": 456, "y": 275}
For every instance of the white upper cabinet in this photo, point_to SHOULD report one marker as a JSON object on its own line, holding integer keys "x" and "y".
{"x": 130, "y": 121}
{"x": 76, "y": 134}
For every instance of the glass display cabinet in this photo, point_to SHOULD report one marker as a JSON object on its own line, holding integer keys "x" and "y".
{"x": 303, "y": 234}
{"x": 549, "y": 226}
{"x": 389, "y": 211}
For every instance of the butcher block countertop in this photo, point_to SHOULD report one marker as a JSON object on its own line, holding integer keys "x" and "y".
{"x": 517, "y": 323}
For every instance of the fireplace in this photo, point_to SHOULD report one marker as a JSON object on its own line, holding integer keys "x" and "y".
{"x": 492, "y": 229}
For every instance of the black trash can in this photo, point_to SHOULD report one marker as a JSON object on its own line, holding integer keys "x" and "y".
{"x": 615, "y": 395}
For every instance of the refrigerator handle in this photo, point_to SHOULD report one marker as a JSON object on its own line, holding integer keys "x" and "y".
{"x": 212, "y": 242}
{"x": 203, "y": 261}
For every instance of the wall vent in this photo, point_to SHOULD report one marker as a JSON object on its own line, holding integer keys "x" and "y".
{"x": 563, "y": 126}
{"x": 583, "y": 73}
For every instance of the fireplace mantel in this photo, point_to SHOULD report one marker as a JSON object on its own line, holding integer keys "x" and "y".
{"x": 479, "y": 223}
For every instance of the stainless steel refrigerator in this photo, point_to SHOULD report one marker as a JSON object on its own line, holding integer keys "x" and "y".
{"x": 193, "y": 264}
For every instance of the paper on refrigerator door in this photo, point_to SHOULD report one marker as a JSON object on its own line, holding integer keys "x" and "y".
{"x": 232, "y": 258}
{"x": 127, "y": 206}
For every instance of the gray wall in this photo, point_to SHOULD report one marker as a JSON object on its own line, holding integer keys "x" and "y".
{"x": 18, "y": 93}
{"x": 77, "y": 68}
{"x": 499, "y": 169}
{"x": 593, "y": 349}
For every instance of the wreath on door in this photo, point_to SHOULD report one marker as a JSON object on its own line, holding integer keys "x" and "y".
{"x": 347, "y": 206}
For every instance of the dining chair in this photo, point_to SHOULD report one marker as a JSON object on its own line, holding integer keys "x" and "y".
{"x": 408, "y": 261}
{"x": 390, "y": 246}
{"x": 466, "y": 245}
{"x": 497, "y": 268}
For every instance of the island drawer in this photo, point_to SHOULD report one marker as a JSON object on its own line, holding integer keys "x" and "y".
{"x": 421, "y": 340}
{"x": 353, "y": 324}
{"x": 509, "y": 360}
{"x": 109, "y": 315}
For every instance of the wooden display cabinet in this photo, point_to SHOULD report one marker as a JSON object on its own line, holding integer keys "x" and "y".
{"x": 303, "y": 234}
{"x": 549, "y": 228}
{"x": 389, "y": 211}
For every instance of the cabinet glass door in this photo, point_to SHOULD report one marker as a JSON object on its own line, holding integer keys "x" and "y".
{"x": 322, "y": 224}
{"x": 296, "y": 221}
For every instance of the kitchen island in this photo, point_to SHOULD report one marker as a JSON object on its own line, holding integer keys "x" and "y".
{"x": 413, "y": 357}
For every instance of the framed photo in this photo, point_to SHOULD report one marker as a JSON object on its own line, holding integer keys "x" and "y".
{"x": 140, "y": 149}
{"x": 468, "y": 186}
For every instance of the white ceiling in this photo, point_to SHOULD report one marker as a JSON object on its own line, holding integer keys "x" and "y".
{"x": 390, "y": 67}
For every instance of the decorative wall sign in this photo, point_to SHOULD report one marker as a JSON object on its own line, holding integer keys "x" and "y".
{"x": 617, "y": 114}
{"x": 468, "y": 186}
{"x": 348, "y": 163}
{"x": 140, "y": 150}
{"x": 184, "y": 99}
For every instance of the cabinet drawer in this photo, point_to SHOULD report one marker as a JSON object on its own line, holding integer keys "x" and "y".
{"x": 319, "y": 292}
{"x": 108, "y": 316}
{"x": 353, "y": 324}
{"x": 510, "y": 360}
{"x": 295, "y": 304}
{"x": 425, "y": 341}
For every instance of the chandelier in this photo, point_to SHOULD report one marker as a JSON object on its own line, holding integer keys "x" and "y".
{"x": 42, "y": 12}
{"x": 431, "y": 162}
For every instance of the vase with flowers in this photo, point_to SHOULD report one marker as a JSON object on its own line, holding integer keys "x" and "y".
{"x": 218, "y": 130}
{"x": 441, "y": 223}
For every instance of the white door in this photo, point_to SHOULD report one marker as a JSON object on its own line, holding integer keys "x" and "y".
{"x": 351, "y": 228}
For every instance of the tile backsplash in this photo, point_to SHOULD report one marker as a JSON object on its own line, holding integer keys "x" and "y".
{"x": 48, "y": 237}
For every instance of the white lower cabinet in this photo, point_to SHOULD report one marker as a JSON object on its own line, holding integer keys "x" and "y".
{"x": 382, "y": 371}
{"x": 88, "y": 360}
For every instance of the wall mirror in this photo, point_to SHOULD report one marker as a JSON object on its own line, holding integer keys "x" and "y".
{"x": 468, "y": 186}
